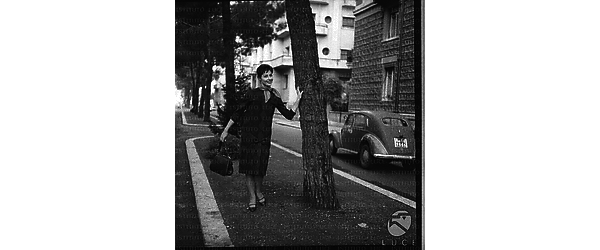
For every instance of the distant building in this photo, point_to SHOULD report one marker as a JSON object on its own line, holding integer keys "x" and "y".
{"x": 334, "y": 27}
{"x": 383, "y": 69}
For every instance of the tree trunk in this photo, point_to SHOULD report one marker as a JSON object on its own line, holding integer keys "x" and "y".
{"x": 199, "y": 79}
{"x": 319, "y": 185}
{"x": 186, "y": 98}
{"x": 201, "y": 103}
{"x": 208, "y": 75}
{"x": 195, "y": 89}
{"x": 228, "y": 40}
{"x": 206, "y": 95}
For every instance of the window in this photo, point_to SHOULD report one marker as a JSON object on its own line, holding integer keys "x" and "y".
{"x": 393, "y": 25}
{"x": 328, "y": 19}
{"x": 361, "y": 121}
{"x": 285, "y": 84}
{"x": 345, "y": 55}
{"x": 394, "y": 122}
{"x": 325, "y": 51}
{"x": 348, "y": 22}
{"x": 388, "y": 84}
{"x": 287, "y": 50}
{"x": 349, "y": 121}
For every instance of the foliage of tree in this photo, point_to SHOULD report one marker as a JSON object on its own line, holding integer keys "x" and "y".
{"x": 182, "y": 79}
{"x": 252, "y": 22}
{"x": 333, "y": 94}
{"x": 205, "y": 37}
{"x": 333, "y": 89}
{"x": 252, "y": 25}
{"x": 192, "y": 29}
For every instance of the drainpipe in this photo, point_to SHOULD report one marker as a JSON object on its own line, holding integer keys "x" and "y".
{"x": 399, "y": 61}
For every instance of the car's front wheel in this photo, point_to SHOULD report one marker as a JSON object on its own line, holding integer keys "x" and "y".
{"x": 366, "y": 159}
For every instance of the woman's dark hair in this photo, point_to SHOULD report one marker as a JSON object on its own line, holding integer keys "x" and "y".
{"x": 262, "y": 69}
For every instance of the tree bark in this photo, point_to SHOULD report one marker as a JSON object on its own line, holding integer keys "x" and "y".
{"x": 206, "y": 93}
{"x": 195, "y": 89}
{"x": 319, "y": 185}
{"x": 208, "y": 74}
{"x": 186, "y": 98}
{"x": 199, "y": 79}
{"x": 228, "y": 40}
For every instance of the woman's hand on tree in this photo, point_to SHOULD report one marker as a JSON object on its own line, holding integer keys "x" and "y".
{"x": 223, "y": 135}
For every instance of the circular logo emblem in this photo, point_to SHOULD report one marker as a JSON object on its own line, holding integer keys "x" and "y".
{"x": 399, "y": 223}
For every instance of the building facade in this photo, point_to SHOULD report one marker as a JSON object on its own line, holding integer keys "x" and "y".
{"x": 334, "y": 28}
{"x": 383, "y": 72}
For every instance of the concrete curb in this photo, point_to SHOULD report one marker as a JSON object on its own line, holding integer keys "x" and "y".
{"x": 185, "y": 122}
{"x": 213, "y": 227}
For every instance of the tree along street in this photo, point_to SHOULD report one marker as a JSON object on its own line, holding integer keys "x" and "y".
{"x": 393, "y": 177}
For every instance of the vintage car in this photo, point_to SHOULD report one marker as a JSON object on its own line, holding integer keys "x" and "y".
{"x": 376, "y": 136}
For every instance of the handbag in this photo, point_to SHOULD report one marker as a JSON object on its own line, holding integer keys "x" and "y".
{"x": 222, "y": 164}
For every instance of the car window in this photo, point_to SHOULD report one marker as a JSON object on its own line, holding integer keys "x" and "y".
{"x": 361, "y": 121}
{"x": 349, "y": 120}
{"x": 412, "y": 122}
{"x": 394, "y": 122}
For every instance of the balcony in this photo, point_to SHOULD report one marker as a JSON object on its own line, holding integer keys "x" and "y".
{"x": 324, "y": 2}
{"x": 349, "y": 3}
{"x": 321, "y": 29}
{"x": 281, "y": 61}
{"x": 328, "y": 63}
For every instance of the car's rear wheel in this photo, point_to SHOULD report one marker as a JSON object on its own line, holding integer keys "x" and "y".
{"x": 332, "y": 146}
{"x": 366, "y": 158}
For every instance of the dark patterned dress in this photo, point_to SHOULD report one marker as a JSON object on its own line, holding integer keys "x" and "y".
{"x": 256, "y": 120}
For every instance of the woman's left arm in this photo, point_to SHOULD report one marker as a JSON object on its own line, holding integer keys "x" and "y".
{"x": 289, "y": 113}
{"x": 297, "y": 102}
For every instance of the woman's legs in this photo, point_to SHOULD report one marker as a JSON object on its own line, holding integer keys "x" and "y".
{"x": 251, "y": 184}
{"x": 258, "y": 186}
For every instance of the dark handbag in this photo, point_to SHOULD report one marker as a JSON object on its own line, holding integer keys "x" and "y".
{"x": 222, "y": 164}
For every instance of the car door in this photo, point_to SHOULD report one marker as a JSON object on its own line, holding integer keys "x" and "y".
{"x": 346, "y": 131}
{"x": 359, "y": 129}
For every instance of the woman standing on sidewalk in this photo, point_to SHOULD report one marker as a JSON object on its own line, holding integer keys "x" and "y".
{"x": 256, "y": 118}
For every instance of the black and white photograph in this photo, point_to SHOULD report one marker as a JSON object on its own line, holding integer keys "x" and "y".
{"x": 298, "y": 123}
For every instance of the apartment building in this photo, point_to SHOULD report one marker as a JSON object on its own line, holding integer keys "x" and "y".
{"x": 383, "y": 73}
{"x": 334, "y": 28}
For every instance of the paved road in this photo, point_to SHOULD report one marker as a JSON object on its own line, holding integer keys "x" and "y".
{"x": 392, "y": 177}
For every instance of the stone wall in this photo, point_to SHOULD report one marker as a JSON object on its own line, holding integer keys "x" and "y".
{"x": 367, "y": 68}
{"x": 366, "y": 73}
{"x": 407, "y": 63}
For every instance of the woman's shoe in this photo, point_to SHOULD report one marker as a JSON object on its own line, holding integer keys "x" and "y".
{"x": 262, "y": 201}
{"x": 251, "y": 207}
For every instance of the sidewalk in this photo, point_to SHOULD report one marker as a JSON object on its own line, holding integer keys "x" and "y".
{"x": 287, "y": 220}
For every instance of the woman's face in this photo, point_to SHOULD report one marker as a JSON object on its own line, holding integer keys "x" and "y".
{"x": 267, "y": 78}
